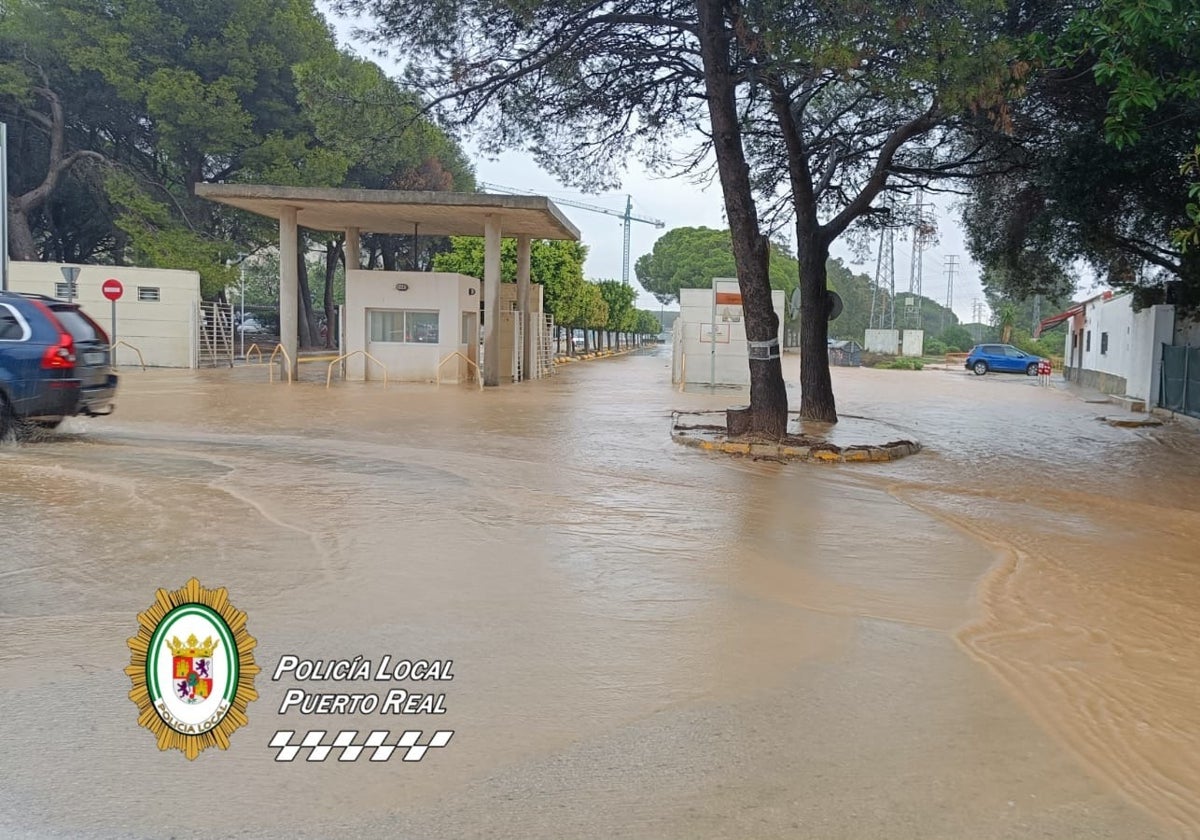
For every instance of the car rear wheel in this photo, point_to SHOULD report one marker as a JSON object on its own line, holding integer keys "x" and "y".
{"x": 1032, "y": 369}
{"x": 980, "y": 368}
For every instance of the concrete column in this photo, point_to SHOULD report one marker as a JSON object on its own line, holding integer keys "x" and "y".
{"x": 353, "y": 245}
{"x": 528, "y": 325}
{"x": 491, "y": 301}
{"x": 289, "y": 295}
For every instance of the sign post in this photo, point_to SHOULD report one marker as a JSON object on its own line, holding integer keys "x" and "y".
{"x": 71, "y": 274}
{"x": 112, "y": 289}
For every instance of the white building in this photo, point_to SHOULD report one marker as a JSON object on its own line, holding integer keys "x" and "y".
{"x": 158, "y": 313}
{"x": 709, "y": 336}
{"x": 425, "y": 327}
{"x": 1113, "y": 349}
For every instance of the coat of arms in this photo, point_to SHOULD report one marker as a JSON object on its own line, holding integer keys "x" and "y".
{"x": 192, "y": 668}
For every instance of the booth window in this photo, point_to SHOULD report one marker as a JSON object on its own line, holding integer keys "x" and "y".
{"x": 404, "y": 326}
{"x": 1103, "y": 344}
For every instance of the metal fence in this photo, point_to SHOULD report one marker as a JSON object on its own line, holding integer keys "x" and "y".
{"x": 1180, "y": 386}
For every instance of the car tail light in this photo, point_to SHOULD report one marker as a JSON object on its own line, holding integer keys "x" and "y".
{"x": 62, "y": 354}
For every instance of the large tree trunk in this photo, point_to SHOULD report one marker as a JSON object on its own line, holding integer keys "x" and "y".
{"x": 21, "y": 245}
{"x": 751, "y": 250}
{"x": 816, "y": 387}
{"x": 333, "y": 253}
{"x": 307, "y": 318}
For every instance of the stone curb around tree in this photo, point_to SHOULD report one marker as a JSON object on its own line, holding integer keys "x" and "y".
{"x": 709, "y": 439}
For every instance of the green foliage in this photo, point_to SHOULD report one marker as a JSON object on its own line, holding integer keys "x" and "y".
{"x": 1099, "y": 153}
{"x": 1048, "y": 345}
{"x": 173, "y": 94}
{"x": 619, "y": 302}
{"x": 647, "y": 323}
{"x": 158, "y": 240}
{"x": 556, "y": 264}
{"x": 957, "y": 339}
{"x": 690, "y": 257}
{"x": 935, "y": 347}
{"x": 903, "y": 363}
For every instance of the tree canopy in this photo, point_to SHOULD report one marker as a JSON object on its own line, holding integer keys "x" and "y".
{"x": 1101, "y": 150}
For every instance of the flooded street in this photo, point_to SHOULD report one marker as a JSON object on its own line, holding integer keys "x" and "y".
{"x": 996, "y": 638}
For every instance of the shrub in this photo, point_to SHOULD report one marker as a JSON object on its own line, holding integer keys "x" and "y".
{"x": 904, "y": 363}
{"x": 933, "y": 347}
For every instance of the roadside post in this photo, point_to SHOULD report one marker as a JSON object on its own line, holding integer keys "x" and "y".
{"x": 112, "y": 289}
{"x": 1044, "y": 371}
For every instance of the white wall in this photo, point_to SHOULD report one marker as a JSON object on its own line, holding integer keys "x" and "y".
{"x": 882, "y": 341}
{"x": 165, "y": 331}
{"x": 448, "y": 294}
{"x": 731, "y": 360}
{"x": 913, "y": 343}
{"x": 1134, "y": 341}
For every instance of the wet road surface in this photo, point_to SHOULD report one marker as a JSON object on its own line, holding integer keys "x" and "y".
{"x": 996, "y": 638}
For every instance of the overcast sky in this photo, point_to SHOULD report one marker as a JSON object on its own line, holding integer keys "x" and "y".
{"x": 680, "y": 203}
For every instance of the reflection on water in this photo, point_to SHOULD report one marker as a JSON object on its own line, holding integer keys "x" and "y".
{"x": 644, "y": 637}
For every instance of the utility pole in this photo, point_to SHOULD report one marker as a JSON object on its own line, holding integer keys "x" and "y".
{"x": 951, "y": 268}
{"x": 1037, "y": 314}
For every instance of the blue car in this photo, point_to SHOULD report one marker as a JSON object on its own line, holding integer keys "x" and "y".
{"x": 1003, "y": 358}
{"x": 55, "y": 362}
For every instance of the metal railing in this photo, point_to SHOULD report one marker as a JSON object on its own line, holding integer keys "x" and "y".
{"x": 471, "y": 364}
{"x": 112, "y": 349}
{"x": 279, "y": 349}
{"x": 352, "y": 353}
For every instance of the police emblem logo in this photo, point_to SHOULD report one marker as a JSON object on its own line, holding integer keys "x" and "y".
{"x": 192, "y": 669}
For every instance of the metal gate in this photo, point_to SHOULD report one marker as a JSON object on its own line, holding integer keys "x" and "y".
{"x": 215, "y": 333}
{"x": 544, "y": 351}
{"x": 1179, "y": 388}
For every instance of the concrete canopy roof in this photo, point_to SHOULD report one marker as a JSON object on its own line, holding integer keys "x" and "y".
{"x": 395, "y": 211}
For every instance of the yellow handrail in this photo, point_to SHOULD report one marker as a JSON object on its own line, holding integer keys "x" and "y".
{"x": 271, "y": 362}
{"x": 253, "y": 348}
{"x": 478, "y": 377}
{"x": 342, "y": 358}
{"x": 113, "y": 348}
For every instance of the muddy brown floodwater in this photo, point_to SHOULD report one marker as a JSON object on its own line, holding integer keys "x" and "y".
{"x": 997, "y": 638}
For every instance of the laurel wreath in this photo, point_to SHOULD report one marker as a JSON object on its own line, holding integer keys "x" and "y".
{"x": 218, "y": 601}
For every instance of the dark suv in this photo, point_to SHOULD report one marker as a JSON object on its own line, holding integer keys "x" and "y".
{"x": 55, "y": 362}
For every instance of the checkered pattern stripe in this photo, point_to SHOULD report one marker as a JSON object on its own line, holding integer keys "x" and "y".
{"x": 377, "y": 745}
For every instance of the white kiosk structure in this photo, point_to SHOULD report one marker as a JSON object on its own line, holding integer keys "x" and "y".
{"x": 411, "y": 317}
{"x": 709, "y": 336}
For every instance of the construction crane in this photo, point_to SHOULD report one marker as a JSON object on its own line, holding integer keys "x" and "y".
{"x": 627, "y": 217}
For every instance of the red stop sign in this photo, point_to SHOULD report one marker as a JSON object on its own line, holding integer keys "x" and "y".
{"x": 112, "y": 289}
